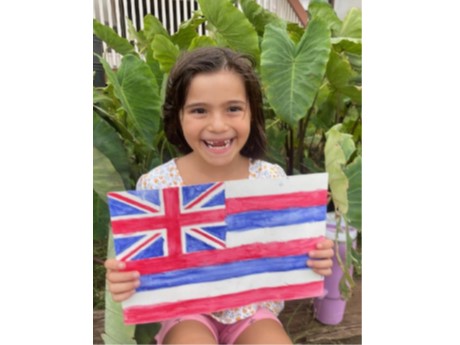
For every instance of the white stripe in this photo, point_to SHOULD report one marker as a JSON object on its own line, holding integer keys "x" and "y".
{"x": 223, "y": 287}
{"x": 138, "y": 216}
{"x": 276, "y": 234}
{"x": 282, "y": 185}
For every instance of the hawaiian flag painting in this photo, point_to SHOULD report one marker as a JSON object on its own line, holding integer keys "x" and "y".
{"x": 204, "y": 248}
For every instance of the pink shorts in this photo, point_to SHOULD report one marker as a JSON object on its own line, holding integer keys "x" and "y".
{"x": 223, "y": 333}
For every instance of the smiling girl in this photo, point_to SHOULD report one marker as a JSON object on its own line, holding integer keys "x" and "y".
{"x": 213, "y": 114}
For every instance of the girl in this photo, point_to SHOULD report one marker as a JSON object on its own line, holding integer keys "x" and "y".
{"x": 213, "y": 114}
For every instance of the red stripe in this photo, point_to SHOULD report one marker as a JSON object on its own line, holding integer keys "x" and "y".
{"x": 159, "y": 312}
{"x": 222, "y": 256}
{"x": 140, "y": 246}
{"x": 132, "y": 202}
{"x": 172, "y": 207}
{"x": 204, "y": 195}
{"x": 127, "y": 226}
{"x": 276, "y": 202}
{"x": 210, "y": 238}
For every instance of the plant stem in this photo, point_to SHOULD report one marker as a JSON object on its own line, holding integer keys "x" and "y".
{"x": 300, "y": 143}
{"x": 290, "y": 151}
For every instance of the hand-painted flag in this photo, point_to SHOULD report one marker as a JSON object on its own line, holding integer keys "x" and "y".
{"x": 204, "y": 248}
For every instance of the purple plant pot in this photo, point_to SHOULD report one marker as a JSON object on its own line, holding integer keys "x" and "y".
{"x": 330, "y": 308}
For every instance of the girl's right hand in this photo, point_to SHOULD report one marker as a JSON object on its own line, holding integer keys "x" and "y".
{"x": 120, "y": 284}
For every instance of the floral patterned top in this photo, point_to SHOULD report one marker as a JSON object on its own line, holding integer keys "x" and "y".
{"x": 167, "y": 175}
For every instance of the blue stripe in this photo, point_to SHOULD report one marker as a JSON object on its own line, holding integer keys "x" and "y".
{"x": 266, "y": 219}
{"x": 221, "y": 272}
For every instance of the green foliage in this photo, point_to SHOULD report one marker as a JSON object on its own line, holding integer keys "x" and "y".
{"x": 134, "y": 84}
{"x": 230, "y": 27}
{"x": 292, "y": 74}
{"x": 108, "y": 35}
{"x": 311, "y": 80}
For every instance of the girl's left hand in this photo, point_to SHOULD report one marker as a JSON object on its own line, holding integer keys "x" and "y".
{"x": 322, "y": 255}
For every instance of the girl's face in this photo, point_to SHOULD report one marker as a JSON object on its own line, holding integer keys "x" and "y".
{"x": 216, "y": 117}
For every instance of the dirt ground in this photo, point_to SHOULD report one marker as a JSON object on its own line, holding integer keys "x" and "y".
{"x": 299, "y": 321}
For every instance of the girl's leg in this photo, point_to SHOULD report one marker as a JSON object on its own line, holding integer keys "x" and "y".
{"x": 265, "y": 331}
{"x": 189, "y": 332}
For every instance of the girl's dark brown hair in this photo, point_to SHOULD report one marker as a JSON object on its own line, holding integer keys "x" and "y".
{"x": 209, "y": 60}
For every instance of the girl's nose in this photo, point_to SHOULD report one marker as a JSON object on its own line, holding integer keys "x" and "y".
{"x": 217, "y": 122}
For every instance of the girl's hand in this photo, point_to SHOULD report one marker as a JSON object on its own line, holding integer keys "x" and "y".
{"x": 322, "y": 255}
{"x": 120, "y": 284}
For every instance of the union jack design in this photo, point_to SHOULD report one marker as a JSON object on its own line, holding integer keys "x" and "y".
{"x": 168, "y": 222}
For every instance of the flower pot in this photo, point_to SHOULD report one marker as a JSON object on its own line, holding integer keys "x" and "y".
{"x": 330, "y": 308}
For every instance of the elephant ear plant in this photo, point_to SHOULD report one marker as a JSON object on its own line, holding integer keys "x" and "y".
{"x": 311, "y": 79}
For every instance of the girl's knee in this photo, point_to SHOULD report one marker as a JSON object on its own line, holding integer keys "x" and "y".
{"x": 189, "y": 332}
{"x": 265, "y": 331}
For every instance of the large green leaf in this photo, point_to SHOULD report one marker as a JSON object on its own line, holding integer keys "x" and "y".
{"x": 339, "y": 71}
{"x": 105, "y": 177}
{"x": 323, "y": 10}
{"x": 107, "y": 141}
{"x": 292, "y": 74}
{"x": 259, "y": 16}
{"x": 232, "y": 26}
{"x": 338, "y": 149}
{"x": 188, "y": 31}
{"x": 144, "y": 38}
{"x": 341, "y": 75}
{"x": 348, "y": 44}
{"x": 353, "y": 172}
{"x": 115, "y": 331}
{"x": 152, "y": 27}
{"x": 352, "y": 24}
{"x": 108, "y": 35}
{"x": 165, "y": 52}
{"x": 202, "y": 41}
{"x": 136, "y": 87}
{"x": 349, "y": 36}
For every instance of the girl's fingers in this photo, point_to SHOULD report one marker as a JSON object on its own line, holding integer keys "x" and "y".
{"x": 119, "y": 288}
{"x": 325, "y": 244}
{"x": 320, "y": 264}
{"x": 121, "y": 277}
{"x": 324, "y": 272}
{"x": 322, "y": 253}
{"x": 113, "y": 264}
{"x": 323, "y": 267}
{"x": 122, "y": 296}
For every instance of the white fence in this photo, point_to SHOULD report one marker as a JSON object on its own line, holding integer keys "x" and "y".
{"x": 170, "y": 12}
